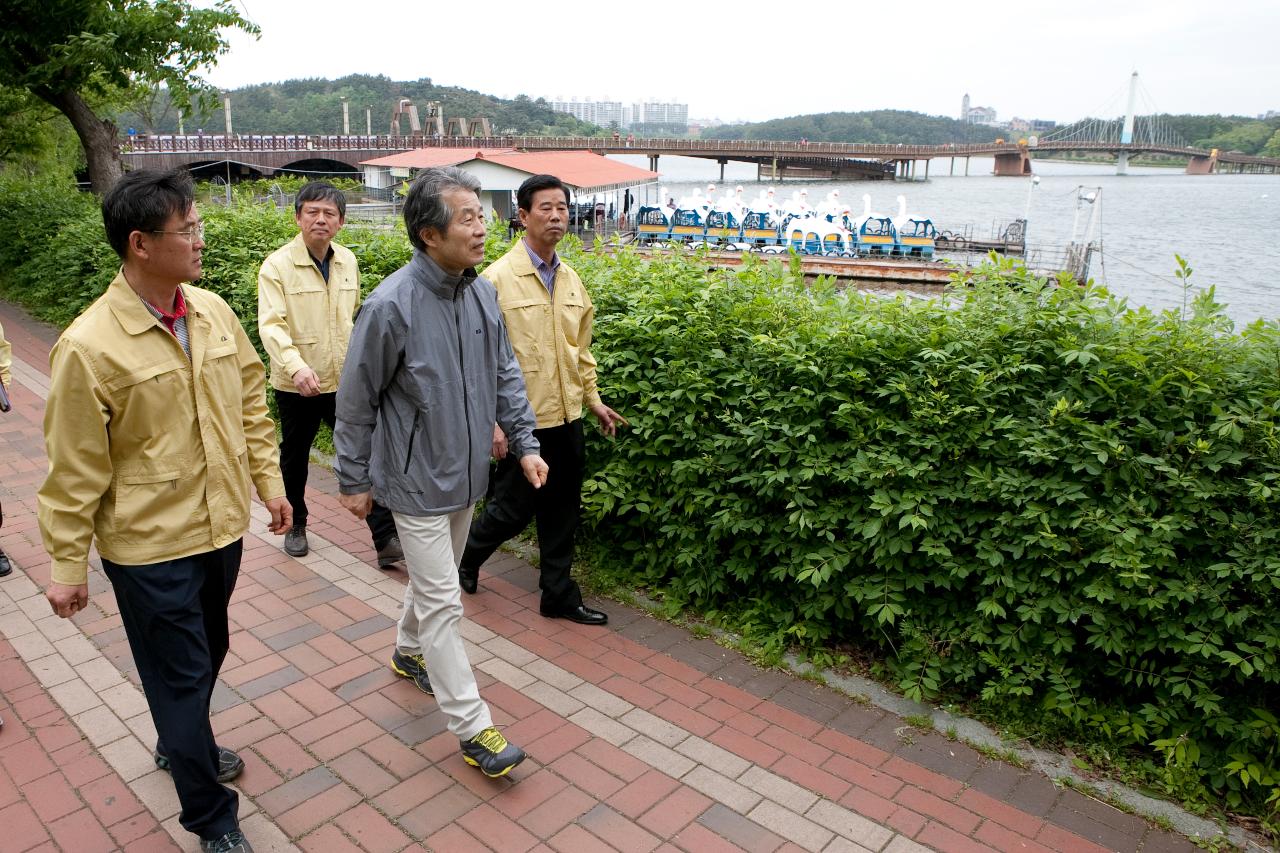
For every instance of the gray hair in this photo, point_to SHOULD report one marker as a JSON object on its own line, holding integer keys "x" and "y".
{"x": 425, "y": 205}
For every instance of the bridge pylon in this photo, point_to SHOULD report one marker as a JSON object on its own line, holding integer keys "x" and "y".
{"x": 1126, "y": 135}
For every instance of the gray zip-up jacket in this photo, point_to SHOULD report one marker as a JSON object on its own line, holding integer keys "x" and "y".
{"x": 429, "y": 371}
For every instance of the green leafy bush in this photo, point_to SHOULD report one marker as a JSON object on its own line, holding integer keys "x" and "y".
{"x": 1026, "y": 493}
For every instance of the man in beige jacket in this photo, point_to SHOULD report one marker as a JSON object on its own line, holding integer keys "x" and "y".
{"x": 549, "y": 316}
{"x": 156, "y": 428}
{"x": 308, "y": 290}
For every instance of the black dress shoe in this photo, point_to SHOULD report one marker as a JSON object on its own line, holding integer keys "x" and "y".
{"x": 582, "y": 614}
{"x": 468, "y": 579}
{"x": 5, "y": 566}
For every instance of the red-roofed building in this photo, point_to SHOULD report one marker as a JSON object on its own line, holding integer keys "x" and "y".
{"x": 590, "y": 177}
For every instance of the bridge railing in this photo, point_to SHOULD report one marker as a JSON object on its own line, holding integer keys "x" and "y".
{"x": 215, "y": 142}
{"x": 204, "y": 142}
{"x": 249, "y": 143}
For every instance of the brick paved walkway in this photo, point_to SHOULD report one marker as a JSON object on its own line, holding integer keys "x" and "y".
{"x": 640, "y": 736}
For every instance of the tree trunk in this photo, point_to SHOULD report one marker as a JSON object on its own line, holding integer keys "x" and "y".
{"x": 97, "y": 137}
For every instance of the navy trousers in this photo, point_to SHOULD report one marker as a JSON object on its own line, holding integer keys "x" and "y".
{"x": 175, "y": 616}
{"x": 512, "y": 502}
{"x": 300, "y": 419}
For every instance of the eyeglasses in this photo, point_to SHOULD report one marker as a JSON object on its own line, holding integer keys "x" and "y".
{"x": 191, "y": 234}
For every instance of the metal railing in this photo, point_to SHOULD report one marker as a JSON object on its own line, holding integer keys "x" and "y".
{"x": 216, "y": 143}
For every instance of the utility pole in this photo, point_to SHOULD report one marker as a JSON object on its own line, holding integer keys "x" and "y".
{"x": 346, "y": 118}
{"x": 226, "y": 111}
{"x": 1126, "y": 135}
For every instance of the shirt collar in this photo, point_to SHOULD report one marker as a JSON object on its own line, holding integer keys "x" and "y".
{"x": 546, "y": 271}
{"x": 324, "y": 260}
{"x": 179, "y": 308}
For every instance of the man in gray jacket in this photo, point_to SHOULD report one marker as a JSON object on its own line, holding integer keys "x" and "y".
{"x": 428, "y": 372}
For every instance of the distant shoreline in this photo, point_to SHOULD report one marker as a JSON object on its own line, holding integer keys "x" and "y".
{"x": 1136, "y": 161}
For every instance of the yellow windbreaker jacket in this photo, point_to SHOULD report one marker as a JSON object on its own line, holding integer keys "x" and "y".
{"x": 6, "y": 360}
{"x": 552, "y": 340}
{"x": 302, "y": 320}
{"x": 151, "y": 453}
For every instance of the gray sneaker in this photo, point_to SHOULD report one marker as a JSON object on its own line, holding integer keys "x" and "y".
{"x": 491, "y": 752}
{"x": 390, "y": 553}
{"x": 414, "y": 668}
{"x": 295, "y": 541}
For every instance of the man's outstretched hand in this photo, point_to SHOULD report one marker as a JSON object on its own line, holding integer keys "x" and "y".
{"x": 609, "y": 419}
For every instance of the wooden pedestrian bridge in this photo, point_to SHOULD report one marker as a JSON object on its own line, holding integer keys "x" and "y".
{"x": 268, "y": 154}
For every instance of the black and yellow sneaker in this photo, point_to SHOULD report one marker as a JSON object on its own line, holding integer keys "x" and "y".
{"x": 491, "y": 752}
{"x": 413, "y": 667}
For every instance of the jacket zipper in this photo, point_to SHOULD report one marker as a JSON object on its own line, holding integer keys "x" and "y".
{"x": 462, "y": 369}
{"x": 413, "y": 432}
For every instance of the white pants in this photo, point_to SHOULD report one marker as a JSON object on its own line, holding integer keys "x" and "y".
{"x": 432, "y": 607}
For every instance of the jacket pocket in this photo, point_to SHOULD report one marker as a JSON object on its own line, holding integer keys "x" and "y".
{"x": 304, "y": 284}
{"x": 413, "y": 434}
{"x": 528, "y": 326}
{"x": 223, "y": 386}
{"x": 308, "y": 347}
{"x": 151, "y": 503}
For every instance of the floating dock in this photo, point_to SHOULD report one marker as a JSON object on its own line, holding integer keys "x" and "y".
{"x": 854, "y": 269}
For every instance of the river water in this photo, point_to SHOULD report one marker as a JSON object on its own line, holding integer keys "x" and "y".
{"x": 1226, "y": 226}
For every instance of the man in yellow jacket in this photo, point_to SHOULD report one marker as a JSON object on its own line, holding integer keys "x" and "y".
{"x": 308, "y": 290}
{"x": 156, "y": 428}
{"x": 548, "y": 315}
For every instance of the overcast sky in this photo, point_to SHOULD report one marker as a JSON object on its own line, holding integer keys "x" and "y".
{"x": 754, "y": 61}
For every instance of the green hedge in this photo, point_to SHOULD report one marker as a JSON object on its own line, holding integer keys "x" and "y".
{"x": 1024, "y": 495}
{"x": 56, "y": 260}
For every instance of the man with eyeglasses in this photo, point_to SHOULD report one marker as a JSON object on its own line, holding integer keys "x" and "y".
{"x": 156, "y": 429}
{"x": 308, "y": 290}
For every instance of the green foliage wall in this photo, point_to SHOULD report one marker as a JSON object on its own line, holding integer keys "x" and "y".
{"x": 1026, "y": 494}
{"x": 55, "y": 258}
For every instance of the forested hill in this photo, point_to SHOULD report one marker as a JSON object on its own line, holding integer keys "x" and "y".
{"x": 315, "y": 106}
{"x": 1229, "y": 133}
{"x": 874, "y": 126}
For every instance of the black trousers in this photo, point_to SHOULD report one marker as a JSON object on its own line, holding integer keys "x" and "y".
{"x": 513, "y": 502}
{"x": 175, "y": 616}
{"x": 300, "y": 419}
